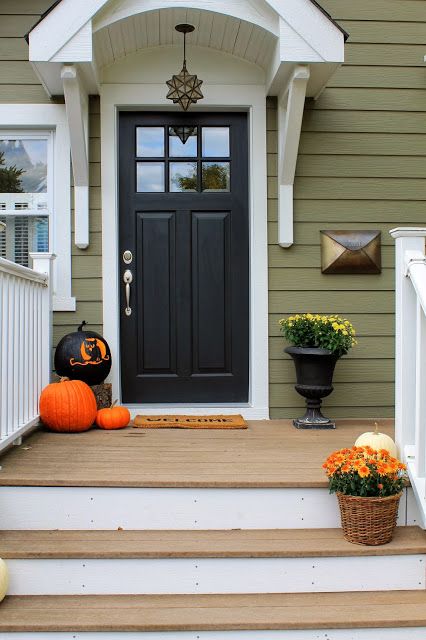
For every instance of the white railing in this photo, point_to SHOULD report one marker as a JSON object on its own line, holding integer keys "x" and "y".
{"x": 410, "y": 356}
{"x": 25, "y": 344}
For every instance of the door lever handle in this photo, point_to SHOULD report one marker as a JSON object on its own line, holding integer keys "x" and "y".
{"x": 128, "y": 279}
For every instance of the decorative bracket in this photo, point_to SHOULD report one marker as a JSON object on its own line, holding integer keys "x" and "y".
{"x": 76, "y": 103}
{"x": 291, "y": 101}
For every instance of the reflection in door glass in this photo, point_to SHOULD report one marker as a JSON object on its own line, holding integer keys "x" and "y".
{"x": 149, "y": 142}
{"x": 150, "y": 177}
{"x": 215, "y": 176}
{"x": 183, "y": 176}
{"x": 215, "y": 142}
{"x": 183, "y": 142}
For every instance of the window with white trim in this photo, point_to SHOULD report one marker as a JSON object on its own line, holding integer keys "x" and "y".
{"x": 26, "y": 198}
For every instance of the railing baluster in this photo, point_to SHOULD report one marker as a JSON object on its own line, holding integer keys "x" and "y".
{"x": 410, "y": 357}
{"x": 420, "y": 439}
{"x": 25, "y": 344}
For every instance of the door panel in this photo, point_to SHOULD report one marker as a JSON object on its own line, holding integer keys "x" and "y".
{"x": 184, "y": 217}
{"x": 211, "y": 305}
{"x": 156, "y": 290}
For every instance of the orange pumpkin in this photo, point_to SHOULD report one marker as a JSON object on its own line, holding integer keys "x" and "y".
{"x": 68, "y": 406}
{"x": 113, "y": 417}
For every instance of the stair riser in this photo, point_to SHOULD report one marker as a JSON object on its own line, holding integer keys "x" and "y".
{"x": 164, "y": 508}
{"x": 312, "y": 634}
{"x": 216, "y": 575}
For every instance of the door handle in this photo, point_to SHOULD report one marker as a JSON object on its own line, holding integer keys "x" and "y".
{"x": 128, "y": 279}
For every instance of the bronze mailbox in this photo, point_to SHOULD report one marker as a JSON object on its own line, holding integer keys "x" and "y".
{"x": 351, "y": 252}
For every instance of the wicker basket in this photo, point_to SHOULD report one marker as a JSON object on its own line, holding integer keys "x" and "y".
{"x": 368, "y": 521}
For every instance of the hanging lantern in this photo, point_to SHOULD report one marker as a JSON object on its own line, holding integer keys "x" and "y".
{"x": 184, "y": 88}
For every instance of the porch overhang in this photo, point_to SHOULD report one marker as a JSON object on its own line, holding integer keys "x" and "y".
{"x": 296, "y": 43}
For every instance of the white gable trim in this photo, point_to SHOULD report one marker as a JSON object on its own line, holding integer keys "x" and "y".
{"x": 69, "y": 17}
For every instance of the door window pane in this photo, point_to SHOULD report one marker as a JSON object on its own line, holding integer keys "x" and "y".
{"x": 183, "y": 142}
{"x": 216, "y": 176}
{"x": 23, "y": 174}
{"x": 150, "y": 177}
{"x": 183, "y": 176}
{"x": 215, "y": 142}
{"x": 150, "y": 142}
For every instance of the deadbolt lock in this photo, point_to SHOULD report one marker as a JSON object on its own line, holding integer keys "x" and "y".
{"x": 127, "y": 257}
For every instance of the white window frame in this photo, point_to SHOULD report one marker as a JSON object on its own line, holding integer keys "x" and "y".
{"x": 29, "y": 134}
{"x": 38, "y": 121}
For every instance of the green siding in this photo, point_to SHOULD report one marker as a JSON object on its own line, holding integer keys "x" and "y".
{"x": 361, "y": 165}
{"x": 18, "y": 82}
{"x": 87, "y": 263}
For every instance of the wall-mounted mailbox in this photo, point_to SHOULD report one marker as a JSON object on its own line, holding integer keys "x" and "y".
{"x": 351, "y": 252}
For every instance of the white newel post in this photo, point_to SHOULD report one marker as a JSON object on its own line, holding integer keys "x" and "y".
{"x": 406, "y": 357}
{"x": 42, "y": 263}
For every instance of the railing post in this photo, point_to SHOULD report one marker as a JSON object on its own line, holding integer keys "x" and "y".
{"x": 42, "y": 263}
{"x": 406, "y": 239}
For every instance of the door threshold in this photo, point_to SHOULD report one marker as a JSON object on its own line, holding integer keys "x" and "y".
{"x": 246, "y": 410}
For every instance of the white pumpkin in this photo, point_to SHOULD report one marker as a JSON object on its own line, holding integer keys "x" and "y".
{"x": 4, "y": 579}
{"x": 377, "y": 440}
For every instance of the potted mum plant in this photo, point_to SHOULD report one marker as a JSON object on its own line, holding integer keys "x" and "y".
{"x": 318, "y": 342}
{"x": 368, "y": 484}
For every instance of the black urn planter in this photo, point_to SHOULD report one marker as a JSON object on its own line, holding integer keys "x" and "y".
{"x": 314, "y": 376}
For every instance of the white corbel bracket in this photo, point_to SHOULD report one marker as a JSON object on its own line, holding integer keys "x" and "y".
{"x": 76, "y": 103}
{"x": 291, "y": 101}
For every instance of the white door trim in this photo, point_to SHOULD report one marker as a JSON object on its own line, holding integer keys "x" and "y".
{"x": 116, "y": 97}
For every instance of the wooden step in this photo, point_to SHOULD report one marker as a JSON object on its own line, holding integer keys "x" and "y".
{"x": 267, "y": 454}
{"x": 213, "y": 612}
{"x": 235, "y": 543}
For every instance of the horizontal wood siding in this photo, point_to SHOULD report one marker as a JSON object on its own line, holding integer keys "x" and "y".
{"x": 87, "y": 263}
{"x": 361, "y": 166}
{"x": 18, "y": 82}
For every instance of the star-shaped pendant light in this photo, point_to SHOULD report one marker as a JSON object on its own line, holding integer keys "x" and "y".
{"x": 184, "y": 88}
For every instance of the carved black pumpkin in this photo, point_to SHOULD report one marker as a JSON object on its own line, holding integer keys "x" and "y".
{"x": 83, "y": 355}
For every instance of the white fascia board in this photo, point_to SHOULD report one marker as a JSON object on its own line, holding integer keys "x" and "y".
{"x": 291, "y": 102}
{"x": 313, "y": 26}
{"x": 76, "y": 103}
{"x": 59, "y": 26}
{"x": 78, "y": 48}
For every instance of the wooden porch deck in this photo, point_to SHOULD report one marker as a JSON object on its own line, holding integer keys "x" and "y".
{"x": 267, "y": 454}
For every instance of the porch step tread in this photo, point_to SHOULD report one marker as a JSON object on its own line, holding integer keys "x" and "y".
{"x": 267, "y": 454}
{"x": 213, "y": 612}
{"x": 235, "y": 543}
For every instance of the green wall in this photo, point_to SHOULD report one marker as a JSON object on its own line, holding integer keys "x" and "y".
{"x": 361, "y": 165}
{"x": 87, "y": 263}
{"x": 19, "y": 84}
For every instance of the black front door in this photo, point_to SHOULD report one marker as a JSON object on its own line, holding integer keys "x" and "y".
{"x": 184, "y": 239}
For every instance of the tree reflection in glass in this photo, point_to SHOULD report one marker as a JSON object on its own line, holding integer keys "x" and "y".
{"x": 215, "y": 176}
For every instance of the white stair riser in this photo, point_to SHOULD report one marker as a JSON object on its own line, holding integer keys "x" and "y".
{"x": 216, "y": 575}
{"x": 164, "y": 508}
{"x": 412, "y": 633}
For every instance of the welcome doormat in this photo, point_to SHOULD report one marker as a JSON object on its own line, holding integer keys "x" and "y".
{"x": 190, "y": 422}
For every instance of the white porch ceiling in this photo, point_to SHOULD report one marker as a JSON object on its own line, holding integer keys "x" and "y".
{"x": 157, "y": 28}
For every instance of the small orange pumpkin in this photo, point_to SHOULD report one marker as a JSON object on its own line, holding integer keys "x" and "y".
{"x": 113, "y": 417}
{"x": 68, "y": 406}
